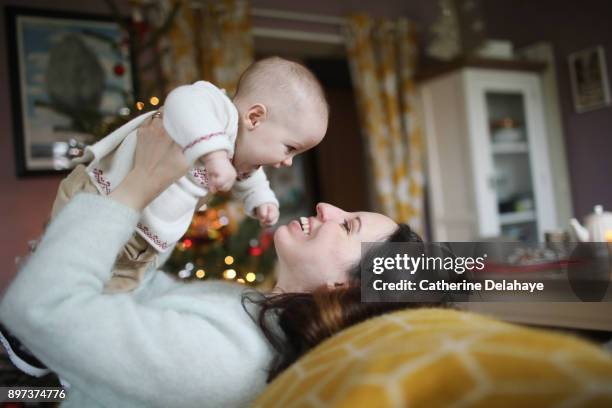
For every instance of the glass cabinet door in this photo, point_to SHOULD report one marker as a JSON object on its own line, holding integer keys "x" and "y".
{"x": 511, "y": 158}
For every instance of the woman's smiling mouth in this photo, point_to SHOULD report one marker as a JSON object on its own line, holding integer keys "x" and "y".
{"x": 305, "y": 225}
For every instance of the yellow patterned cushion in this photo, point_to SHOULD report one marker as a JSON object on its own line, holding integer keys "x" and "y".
{"x": 440, "y": 358}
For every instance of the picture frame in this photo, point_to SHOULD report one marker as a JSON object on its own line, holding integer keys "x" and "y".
{"x": 589, "y": 79}
{"x": 71, "y": 76}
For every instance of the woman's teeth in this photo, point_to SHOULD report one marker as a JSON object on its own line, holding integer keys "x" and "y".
{"x": 305, "y": 225}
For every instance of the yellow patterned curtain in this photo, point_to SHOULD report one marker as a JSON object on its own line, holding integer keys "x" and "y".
{"x": 178, "y": 47}
{"x": 382, "y": 57}
{"x": 226, "y": 42}
{"x": 208, "y": 40}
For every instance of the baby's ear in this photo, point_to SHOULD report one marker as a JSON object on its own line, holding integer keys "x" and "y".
{"x": 256, "y": 114}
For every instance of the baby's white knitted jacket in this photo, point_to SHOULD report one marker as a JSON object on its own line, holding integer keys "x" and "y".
{"x": 201, "y": 119}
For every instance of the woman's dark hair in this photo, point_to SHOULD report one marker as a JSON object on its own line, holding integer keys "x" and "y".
{"x": 306, "y": 319}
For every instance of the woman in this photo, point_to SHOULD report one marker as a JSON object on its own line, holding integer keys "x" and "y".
{"x": 170, "y": 343}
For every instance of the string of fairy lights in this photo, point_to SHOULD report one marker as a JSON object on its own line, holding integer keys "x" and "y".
{"x": 153, "y": 101}
{"x": 228, "y": 274}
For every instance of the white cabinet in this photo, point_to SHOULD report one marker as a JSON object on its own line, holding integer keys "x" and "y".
{"x": 488, "y": 165}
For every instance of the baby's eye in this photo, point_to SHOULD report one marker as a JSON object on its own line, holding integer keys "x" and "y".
{"x": 290, "y": 149}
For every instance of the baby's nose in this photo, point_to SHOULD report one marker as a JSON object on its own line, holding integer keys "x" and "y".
{"x": 287, "y": 162}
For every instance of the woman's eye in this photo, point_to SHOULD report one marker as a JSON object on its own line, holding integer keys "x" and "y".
{"x": 346, "y": 226}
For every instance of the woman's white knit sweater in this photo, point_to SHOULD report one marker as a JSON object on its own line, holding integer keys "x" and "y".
{"x": 167, "y": 344}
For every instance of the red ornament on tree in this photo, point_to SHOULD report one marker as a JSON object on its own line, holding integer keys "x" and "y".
{"x": 119, "y": 69}
{"x": 265, "y": 238}
{"x": 255, "y": 251}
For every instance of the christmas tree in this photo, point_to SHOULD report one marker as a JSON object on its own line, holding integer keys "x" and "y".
{"x": 222, "y": 243}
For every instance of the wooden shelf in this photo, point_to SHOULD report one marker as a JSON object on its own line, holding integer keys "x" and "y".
{"x": 431, "y": 69}
{"x": 509, "y": 147}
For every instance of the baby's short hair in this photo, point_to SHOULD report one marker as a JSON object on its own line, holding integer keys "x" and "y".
{"x": 282, "y": 83}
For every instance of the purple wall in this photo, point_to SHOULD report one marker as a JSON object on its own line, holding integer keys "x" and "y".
{"x": 570, "y": 26}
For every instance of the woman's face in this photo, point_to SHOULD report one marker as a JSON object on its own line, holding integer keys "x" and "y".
{"x": 322, "y": 249}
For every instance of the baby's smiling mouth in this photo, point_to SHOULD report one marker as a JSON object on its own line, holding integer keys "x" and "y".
{"x": 246, "y": 174}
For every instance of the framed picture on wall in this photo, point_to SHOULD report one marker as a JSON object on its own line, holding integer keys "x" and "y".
{"x": 589, "y": 78}
{"x": 71, "y": 77}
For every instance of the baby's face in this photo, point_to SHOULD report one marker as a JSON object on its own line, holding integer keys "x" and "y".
{"x": 275, "y": 143}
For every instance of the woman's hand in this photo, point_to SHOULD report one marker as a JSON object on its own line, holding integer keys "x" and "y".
{"x": 158, "y": 162}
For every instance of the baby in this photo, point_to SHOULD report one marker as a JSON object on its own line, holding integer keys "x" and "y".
{"x": 279, "y": 111}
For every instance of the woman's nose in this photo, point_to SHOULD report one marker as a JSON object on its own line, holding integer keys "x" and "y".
{"x": 326, "y": 212}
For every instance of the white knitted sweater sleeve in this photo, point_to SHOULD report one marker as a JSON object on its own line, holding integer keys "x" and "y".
{"x": 254, "y": 191}
{"x": 197, "y": 117}
{"x": 191, "y": 346}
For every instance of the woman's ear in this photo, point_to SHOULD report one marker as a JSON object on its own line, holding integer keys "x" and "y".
{"x": 256, "y": 115}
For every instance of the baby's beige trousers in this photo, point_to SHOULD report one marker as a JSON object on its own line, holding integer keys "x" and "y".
{"x": 135, "y": 257}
